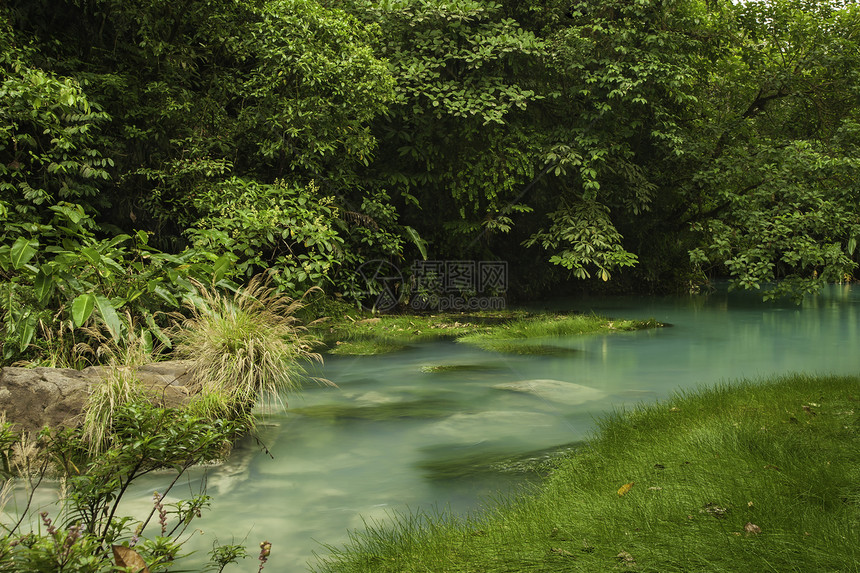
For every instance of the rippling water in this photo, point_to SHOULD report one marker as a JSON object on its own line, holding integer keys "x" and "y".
{"x": 399, "y": 435}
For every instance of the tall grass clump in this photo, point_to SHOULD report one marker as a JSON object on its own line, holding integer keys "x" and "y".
{"x": 244, "y": 347}
{"x": 118, "y": 386}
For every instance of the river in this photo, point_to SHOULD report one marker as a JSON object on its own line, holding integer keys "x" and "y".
{"x": 400, "y": 434}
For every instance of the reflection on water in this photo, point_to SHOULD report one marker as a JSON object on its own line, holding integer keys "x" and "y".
{"x": 444, "y": 425}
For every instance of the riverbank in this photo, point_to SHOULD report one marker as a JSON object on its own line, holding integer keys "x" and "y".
{"x": 740, "y": 477}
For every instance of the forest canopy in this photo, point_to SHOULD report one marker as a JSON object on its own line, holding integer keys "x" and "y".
{"x": 638, "y": 146}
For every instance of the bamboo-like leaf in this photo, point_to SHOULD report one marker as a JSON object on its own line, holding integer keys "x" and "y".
{"x": 82, "y": 308}
{"x": 156, "y": 331}
{"x": 416, "y": 238}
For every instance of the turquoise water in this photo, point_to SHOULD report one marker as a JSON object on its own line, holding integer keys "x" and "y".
{"x": 392, "y": 436}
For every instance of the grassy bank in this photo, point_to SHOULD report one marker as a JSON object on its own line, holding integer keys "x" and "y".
{"x": 742, "y": 477}
{"x": 498, "y": 331}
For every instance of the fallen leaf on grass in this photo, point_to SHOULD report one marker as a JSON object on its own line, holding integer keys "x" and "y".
{"x": 626, "y": 559}
{"x": 752, "y": 528}
{"x": 715, "y": 510}
{"x": 808, "y": 410}
{"x": 562, "y": 552}
{"x": 625, "y": 488}
{"x": 129, "y": 558}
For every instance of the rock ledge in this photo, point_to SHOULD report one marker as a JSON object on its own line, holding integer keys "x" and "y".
{"x": 33, "y": 398}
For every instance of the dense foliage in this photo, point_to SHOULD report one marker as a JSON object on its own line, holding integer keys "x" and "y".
{"x": 648, "y": 145}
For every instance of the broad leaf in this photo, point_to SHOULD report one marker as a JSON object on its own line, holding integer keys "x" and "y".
{"x": 224, "y": 263}
{"x": 43, "y": 286}
{"x": 82, "y": 308}
{"x": 22, "y": 251}
{"x": 129, "y": 559}
{"x": 28, "y": 329}
{"x": 92, "y": 255}
{"x": 109, "y": 315}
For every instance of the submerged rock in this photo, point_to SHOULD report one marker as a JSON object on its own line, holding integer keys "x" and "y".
{"x": 491, "y": 425}
{"x": 556, "y": 391}
{"x": 468, "y": 461}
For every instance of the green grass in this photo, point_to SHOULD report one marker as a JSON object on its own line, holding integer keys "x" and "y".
{"x": 363, "y": 336}
{"x": 511, "y": 337}
{"x": 748, "y": 477}
{"x": 368, "y": 347}
{"x": 246, "y": 347}
{"x": 498, "y": 331}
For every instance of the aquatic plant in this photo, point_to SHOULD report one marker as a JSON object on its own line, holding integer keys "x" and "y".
{"x": 86, "y": 531}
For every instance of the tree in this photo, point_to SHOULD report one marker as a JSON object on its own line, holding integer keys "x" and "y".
{"x": 454, "y": 149}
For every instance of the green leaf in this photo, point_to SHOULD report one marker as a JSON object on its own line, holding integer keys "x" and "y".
{"x": 155, "y": 330}
{"x": 43, "y": 285}
{"x": 109, "y": 315}
{"x": 413, "y": 235}
{"x": 222, "y": 265}
{"x": 22, "y": 251}
{"x": 165, "y": 295}
{"x": 91, "y": 255}
{"x": 27, "y": 332}
{"x": 82, "y": 308}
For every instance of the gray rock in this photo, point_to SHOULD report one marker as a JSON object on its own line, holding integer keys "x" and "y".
{"x": 33, "y": 398}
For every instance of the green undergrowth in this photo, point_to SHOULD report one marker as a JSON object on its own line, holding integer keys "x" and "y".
{"x": 498, "y": 331}
{"x": 753, "y": 476}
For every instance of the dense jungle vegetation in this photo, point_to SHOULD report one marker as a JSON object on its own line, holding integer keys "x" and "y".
{"x": 642, "y": 146}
